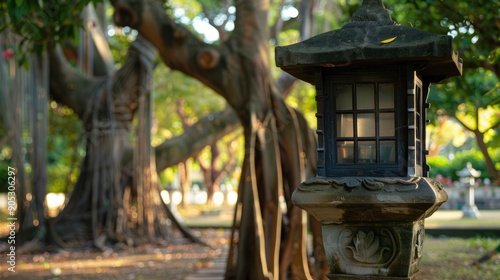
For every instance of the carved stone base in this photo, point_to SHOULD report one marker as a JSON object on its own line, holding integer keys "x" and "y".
{"x": 470, "y": 211}
{"x": 373, "y": 228}
{"x": 375, "y": 249}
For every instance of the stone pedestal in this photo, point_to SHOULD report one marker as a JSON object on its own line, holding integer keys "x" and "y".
{"x": 469, "y": 209}
{"x": 373, "y": 228}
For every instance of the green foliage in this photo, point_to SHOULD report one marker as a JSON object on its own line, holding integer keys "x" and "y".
{"x": 461, "y": 159}
{"x": 4, "y": 165}
{"x": 191, "y": 8}
{"x": 189, "y": 11}
{"x": 474, "y": 98}
{"x": 166, "y": 176}
{"x": 60, "y": 178}
{"x": 474, "y": 24}
{"x": 440, "y": 165}
{"x": 302, "y": 97}
{"x": 169, "y": 87}
{"x": 38, "y": 22}
{"x": 64, "y": 152}
{"x": 119, "y": 44}
{"x": 330, "y": 15}
{"x": 462, "y": 97}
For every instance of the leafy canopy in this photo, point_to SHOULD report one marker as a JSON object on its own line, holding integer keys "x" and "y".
{"x": 38, "y": 22}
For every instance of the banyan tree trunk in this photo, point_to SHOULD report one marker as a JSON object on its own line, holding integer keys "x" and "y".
{"x": 116, "y": 197}
{"x": 24, "y": 112}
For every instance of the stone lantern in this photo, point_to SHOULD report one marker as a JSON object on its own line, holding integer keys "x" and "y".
{"x": 468, "y": 177}
{"x": 371, "y": 193}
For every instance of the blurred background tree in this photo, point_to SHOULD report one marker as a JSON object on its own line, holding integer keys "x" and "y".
{"x": 472, "y": 100}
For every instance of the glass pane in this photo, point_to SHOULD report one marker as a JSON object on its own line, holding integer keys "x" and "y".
{"x": 387, "y": 126}
{"x": 343, "y": 97}
{"x": 386, "y": 96}
{"x": 366, "y": 125}
{"x": 388, "y": 151}
{"x": 365, "y": 96}
{"x": 367, "y": 151}
{"x": 345, "y": 152}
{"x": 345, "y": 125}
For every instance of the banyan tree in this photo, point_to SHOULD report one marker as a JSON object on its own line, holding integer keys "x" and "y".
{"x": 116, "y": 197}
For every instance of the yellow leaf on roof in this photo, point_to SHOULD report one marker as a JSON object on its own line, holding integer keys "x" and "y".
{"x": 386, "y": 41}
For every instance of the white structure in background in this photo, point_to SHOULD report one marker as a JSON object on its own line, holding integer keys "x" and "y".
{"x": 218, "y": 199}
{"x": 230, "y": 196}
{"x": 55, "y": 203}
{"x": 172, "y": 198}
{"x": 196, "y": 196}
{"x": 468, "y": 177}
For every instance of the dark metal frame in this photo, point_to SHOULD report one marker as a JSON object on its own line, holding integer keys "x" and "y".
{"x": 327, "y": 151}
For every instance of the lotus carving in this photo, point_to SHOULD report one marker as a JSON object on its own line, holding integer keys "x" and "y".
{"x": 366, "y": 248}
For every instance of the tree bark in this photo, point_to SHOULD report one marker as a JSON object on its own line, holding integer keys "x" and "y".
{"x": 95, "y": 208}
{"x": 24, "y": 114}
{"x": 205, "y": 131}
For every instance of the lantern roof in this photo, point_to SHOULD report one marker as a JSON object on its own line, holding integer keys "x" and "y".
{"x": 468, "y": 171}
{"x": 372, "y": 37}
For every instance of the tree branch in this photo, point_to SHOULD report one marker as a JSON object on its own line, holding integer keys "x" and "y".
{"x": 286, "y": 81}
{"x": 202, "y": 133}
{"x": 464, "y": 125}
{"x": 68, "y": 86}
{"x": 251, "y": 22}
{"x": 493, "y": 126}
{"x": 175, "y": 43}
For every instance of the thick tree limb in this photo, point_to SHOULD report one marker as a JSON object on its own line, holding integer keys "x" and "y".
{"x": 67, "y": 86}
{"x": 286, "y": 81}
{"x": 207, "y": 130}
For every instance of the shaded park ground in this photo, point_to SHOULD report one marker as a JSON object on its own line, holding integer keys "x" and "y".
{"x": 176, "y": 261}
{"x": 444, "y": 257}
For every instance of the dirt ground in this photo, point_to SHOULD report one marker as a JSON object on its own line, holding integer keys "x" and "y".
{"x": 443, "y": 259}
{"x": 173, "y": 262}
